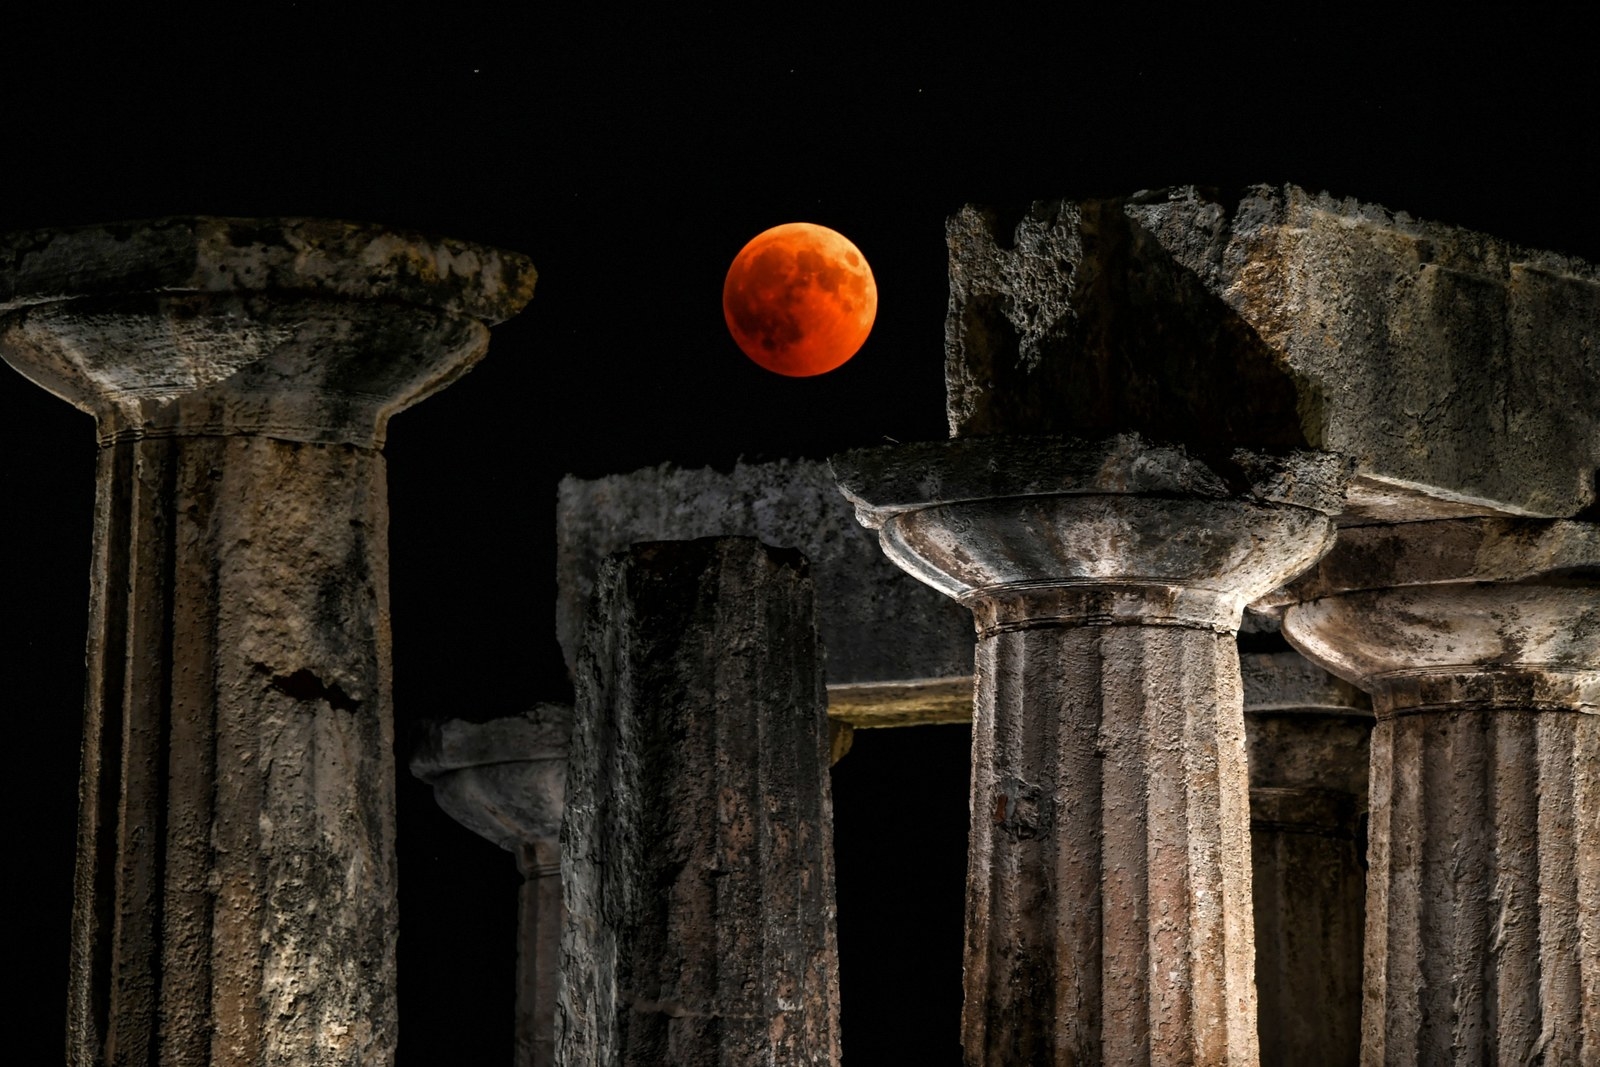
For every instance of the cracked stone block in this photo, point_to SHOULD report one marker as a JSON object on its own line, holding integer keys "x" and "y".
{"x": 1459, "y": 370}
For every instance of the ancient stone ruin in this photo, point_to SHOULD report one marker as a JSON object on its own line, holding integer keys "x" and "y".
{"x": 235, "y": 890}
{"x": 1187, "y": 433}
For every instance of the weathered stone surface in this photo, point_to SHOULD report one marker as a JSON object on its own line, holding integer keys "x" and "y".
{"x": 697, "y": 846}
{"x": 1306, "y": 732}
{"x": 320, "y": 257}
{"x": 1108, "y": 901}
{"x": 879, "y": 629}
{"x": 220, "y": 326}
{"x": 1459, "y": 370}
{"x": 1480, "y": 643}
{"x": 235, "y": 890}
{"x": 505, "y": 780}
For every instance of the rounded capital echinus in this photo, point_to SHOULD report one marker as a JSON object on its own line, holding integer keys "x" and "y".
{"x": 299, "y": 329}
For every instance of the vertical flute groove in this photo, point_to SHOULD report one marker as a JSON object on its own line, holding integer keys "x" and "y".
{"x": 1488, "y": 951}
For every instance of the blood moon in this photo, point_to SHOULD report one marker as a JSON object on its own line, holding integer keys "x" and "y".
{"x": 800, "y": 299}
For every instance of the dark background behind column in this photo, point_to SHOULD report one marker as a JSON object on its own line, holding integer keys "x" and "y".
{"x": 631, "y": 158}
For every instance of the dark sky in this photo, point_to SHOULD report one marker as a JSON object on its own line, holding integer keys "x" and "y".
{"x": 630, "y": 158}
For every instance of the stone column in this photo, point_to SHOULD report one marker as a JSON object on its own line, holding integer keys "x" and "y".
{"x": 697, "y": 849}
{"x": 1479, "y": 640}
{"x": 506, "y": 780}
{"x": 1108, "y": 900}
{"x": 235, "y": 899}
{"x": 1306, "y": 732}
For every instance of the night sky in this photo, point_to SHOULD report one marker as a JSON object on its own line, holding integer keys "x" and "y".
{"x": 631, "y": 158}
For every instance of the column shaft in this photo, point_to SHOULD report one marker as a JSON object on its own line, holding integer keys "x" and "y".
{"x": 1484, "y": 838}
{"x": 1307, "y": 734}
{"x": 540, "y": 915}
{"x": 697, "y": 845}
{"x": 1109, "y": 853}
{"x": 235, "y": 885}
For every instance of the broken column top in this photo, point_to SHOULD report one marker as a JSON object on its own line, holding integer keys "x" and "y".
{"x": 1459, "y": 370}
{"x": 301, "y": 329}
{"x": 877, "y": 624}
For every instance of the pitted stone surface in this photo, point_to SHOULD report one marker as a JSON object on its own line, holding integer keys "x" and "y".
{"x": 1458, "y": 370}
{"x": 1108, "y": 884}
{"x": 1480, "y": 644}
{"x": 697, "y": 847}
{"x": 223, "y": 326}
{"x": 305, "y": 257}
{"x": 235, "y": 890}
{"x": 892, "y": 646}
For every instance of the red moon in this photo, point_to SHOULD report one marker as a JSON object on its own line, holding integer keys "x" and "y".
{"x": 800, "y": 299}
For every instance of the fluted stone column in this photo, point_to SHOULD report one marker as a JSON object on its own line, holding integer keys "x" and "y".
{"x": 1108, "y": 901}
{"x": 505, "y": 780}
{"x": 697, "y": 851}
{"x": 1479, "y": 640}
{"x": 1307, "y": 736}
{"x": 235, "y": 890}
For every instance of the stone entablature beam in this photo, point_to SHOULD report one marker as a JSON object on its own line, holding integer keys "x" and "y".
{"x": 1458, "y": 369}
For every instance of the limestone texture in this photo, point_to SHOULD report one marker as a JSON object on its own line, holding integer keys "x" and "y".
{"x": 214, "y": 326}
{"x": 894, "y": 649}
{"x": 1480, "y": 643}
{"x": 1109, "y": 916}
{"x": 1457, "y": 369}
{"x": 505, "y": 780}
{"x": 697, "y": 846}
{"x": 235, "y": 887}
{"x": 1307, "y": 736}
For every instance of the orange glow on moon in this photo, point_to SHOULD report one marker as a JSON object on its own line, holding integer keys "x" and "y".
{"x": 800, "y": 299}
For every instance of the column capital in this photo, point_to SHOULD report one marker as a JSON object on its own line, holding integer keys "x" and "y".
{"x": 300, "y": 329}
{"x": 505, "y": 779}
{"x": 1457, "y": 613}
{"x": 1046, "y": 530}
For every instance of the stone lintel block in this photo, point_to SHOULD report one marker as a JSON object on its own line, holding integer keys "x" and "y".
{"x": 697, "y": 856}
{"x": 1307, "y": 731}
{"x": 301, "y": 329}
{"x": 1459, "y": 370}
{"x": 896, "y": 651}
{"x": 505, "y": 779}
